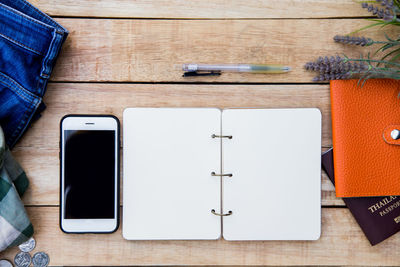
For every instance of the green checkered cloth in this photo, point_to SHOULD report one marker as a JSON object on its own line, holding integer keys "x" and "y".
{"x": 15, "y": 227}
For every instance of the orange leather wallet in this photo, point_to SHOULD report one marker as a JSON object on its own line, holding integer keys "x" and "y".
{"x": 365, "y": 151}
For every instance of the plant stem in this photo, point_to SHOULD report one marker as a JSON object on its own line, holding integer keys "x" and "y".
{"x": 373, "y": 60}
{"x": 384, "y": 42}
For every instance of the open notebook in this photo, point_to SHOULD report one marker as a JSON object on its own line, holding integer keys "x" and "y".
{"x": 173, "y": 156}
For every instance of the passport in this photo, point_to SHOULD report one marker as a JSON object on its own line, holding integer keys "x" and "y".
{"x": 378, "y": 217}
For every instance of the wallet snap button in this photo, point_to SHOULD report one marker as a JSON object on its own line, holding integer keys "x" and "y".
{"x": 391, "y": 134}
{"x": 395, "y": 134}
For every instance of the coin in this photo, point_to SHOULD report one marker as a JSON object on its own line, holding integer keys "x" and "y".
{"x": 22, "y": 259}
{"x": 28, "y": 246}
{"x": 5, "y": 263}
{"x": 40, "y": 259}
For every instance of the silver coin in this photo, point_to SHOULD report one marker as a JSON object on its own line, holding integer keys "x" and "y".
{"x": 5, "y": 263}
{"x": 28, "y": 246}
{"x": 22, "y": 259}
{"x": 40, "y": 259}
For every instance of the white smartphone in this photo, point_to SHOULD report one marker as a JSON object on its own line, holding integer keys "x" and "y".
{"x": 89, "y": 163}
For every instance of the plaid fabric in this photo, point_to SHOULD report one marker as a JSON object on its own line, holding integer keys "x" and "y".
{"x": 15, "y": 227}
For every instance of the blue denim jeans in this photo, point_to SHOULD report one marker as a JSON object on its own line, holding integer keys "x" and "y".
{"x": 30, "y": 42}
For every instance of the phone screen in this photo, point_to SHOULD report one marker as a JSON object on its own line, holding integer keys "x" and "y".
{"x": 89, "y": 174}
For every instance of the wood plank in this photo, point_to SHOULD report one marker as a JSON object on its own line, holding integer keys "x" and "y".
{"x": 202, "y": 9}
{"x": 341, "y": 243}
{"x": 67, "y": 98}
{"x": 149, "y": 50}
{"x": 38, "y": 149}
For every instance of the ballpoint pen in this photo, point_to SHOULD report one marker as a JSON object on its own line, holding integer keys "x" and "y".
{"x": 206, "y": 69}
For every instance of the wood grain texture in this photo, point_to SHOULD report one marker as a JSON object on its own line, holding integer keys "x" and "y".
{"x": 341, "y": 243}
{"x": 202, "y": 9}
{"x": 67, "y": 98}
{"x": 149, "y": 50}
{"x": 38, "y": 150}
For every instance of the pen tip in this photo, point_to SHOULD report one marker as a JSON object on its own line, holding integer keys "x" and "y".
{"x": 286, "y": 68}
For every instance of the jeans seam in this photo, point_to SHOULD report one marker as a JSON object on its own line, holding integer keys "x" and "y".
{"x": 20, "y": 93}
{"x": 42, "y": 14}
{"x": 19, "y": 13}
{"x": 33, "y": 103}
{"x": 20, "y": 44}
{"x": 47, "y": 57}
{"x": 27, "y": 100}
{"x": 24, "y": 121}
{"x": 55, "y": 45}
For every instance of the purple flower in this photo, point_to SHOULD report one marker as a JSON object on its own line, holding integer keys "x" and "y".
{"x": 333, "y": 68}
{"x": 362, "y": 41}
{"x": 385, "y": 12}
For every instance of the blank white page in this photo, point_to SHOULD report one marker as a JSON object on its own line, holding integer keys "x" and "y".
{"x": 168, "y": 190}
{"x": 275, "y": 159}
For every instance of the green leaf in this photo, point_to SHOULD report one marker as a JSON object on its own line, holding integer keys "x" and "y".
{"x": 369, "y": 61}
{"x": 388, "y": 38}
{"x": 364, "y": 78}
{"x": 389, "y": 46}
{"x": 388, "y": 54}
{"x": 367, "y": 27}
{"x": 395, "y": 57}
{"x": 376, "y": 20}
{"x": 384, "y": 47}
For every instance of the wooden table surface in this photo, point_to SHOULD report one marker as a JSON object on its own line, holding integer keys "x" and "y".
{"x": 121, "y": 53}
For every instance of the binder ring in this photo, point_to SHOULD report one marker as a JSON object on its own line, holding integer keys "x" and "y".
{"x": 221, "y": 136}
{"x": 221, "y": 214}
{"x": 222, "y": 174}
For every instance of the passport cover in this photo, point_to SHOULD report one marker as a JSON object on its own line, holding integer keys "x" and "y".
{"x": 378, "y": 217}
{"x": 367, "y": 159}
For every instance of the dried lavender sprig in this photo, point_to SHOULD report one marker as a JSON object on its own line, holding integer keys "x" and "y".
{"x": 333, "y": 68}
{"x": 385, "y": 13}
{"x": 335, "y": 65}
{"x": 362, "y": 41}
{"x": 386, "y": 3}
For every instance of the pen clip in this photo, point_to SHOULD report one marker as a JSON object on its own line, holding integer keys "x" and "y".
{"x": 195, "y": 73}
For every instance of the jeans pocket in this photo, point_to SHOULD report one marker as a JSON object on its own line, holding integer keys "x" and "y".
{"x": 17, "y": 106}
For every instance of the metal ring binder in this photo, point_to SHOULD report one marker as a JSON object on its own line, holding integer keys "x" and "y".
{"x": 222, "y": 136}
{"x": 222, "y": 174}
{"x": 221, "y": 214}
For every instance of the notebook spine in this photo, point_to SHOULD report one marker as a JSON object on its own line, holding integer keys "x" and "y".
{"x": 221, "y": 175}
